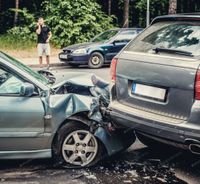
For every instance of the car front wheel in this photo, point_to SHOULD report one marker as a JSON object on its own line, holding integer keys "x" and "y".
{"x": 96, "y": 60}
{"x": 77, "y": 147}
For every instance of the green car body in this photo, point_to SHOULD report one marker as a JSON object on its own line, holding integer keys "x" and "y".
{"x": 33, "y": 113}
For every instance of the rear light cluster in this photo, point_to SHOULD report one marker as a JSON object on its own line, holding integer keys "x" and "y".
{"x": 113, "y": 68}
{"x": 197, "y": 86}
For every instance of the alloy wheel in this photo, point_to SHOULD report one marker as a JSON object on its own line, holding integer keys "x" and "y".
{"x": 79, "y": 148}
{"x": 95, "y": 60}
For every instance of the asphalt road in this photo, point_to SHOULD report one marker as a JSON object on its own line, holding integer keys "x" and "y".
{"x": 104, "y": 72}
{"x": 137, "y": 165}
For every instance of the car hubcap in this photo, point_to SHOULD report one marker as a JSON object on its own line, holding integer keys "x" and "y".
{"x": 95, "y": 60}
{"x": 79, "y": 148}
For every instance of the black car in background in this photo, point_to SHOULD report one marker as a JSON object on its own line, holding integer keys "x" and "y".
{"x": 100, "y": 50}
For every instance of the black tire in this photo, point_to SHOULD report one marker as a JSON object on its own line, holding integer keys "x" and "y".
{"x": 152, "y": 144}
{"x": 96, "y": 60}
{"x": 62, "y": 135}
{"x": 128, "y": 138}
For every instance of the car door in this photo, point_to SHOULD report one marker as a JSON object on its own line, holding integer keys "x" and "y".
{"x": 21, "y": 117}
{"x": 115, "y": 48}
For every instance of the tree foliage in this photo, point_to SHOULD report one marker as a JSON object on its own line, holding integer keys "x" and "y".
{"x": 26, "y": 30}
{"x": 75, "y": 21}
{"x": 71, "y": 21}
{"x": 157, "y": 8}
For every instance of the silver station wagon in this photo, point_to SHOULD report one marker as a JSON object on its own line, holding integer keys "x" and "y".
{"x": 156, "y": 83}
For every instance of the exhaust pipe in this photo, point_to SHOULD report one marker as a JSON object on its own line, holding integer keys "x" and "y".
{"x": 193, "y": 145}
{"x": 195, "y": 148}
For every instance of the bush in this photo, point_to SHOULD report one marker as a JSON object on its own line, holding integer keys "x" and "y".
{"x": 23, "y": 33}
{"x": 71, "y": 21}
{"x": 27, "y": 31}
{"x": 75, "y": 21}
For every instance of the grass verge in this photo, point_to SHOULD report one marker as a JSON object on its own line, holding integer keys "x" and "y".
{"x": 19, "y": 48}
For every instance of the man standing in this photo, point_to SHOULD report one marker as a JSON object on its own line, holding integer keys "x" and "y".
{"x": 44, "y": 36}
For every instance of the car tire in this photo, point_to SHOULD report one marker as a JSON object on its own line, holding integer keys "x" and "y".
{"x": 76, "y": 147}
{"x": 152, "y": 144}
{"x": 96, "y": 60}
{"x": 128, "y": 138}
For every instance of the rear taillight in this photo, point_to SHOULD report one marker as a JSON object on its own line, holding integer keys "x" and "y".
{"x": 113, "y": 68}
{"x": 197, "y": 86}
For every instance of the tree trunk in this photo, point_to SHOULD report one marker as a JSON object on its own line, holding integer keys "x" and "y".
{"x": 16, "y": 12}
{"x": 126, "y": 14}
{"x": 109, "y": 7}
{"x": 172, "y": 6}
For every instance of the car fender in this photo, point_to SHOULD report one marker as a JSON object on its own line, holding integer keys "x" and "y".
{"x": 99, "y": 49}
{"x": 115, "y": 141}
{"x": 59, "y": 108}
{"x": 112, "y": 143}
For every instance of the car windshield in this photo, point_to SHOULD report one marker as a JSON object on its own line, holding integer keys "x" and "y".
{"x": 179, "y": 36}
{"x": 105, "y": 36}
{"x": 25, "y": 68}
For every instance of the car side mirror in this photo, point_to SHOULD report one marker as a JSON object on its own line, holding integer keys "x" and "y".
{"x": 27, "y": 89}
{"x": 120, "y": 42}
{"x": 114, "y": 42}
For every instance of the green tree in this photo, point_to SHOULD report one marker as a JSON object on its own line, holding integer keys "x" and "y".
{"x": 157, "y": 7}
{"x": 26, "y": 30}
{"x": 75, "y": 21}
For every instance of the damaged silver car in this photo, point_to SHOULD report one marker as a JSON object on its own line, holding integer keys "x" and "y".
{"x": 43, "y": 115}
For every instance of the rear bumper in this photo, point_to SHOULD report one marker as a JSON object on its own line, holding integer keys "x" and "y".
{"x": 74, "y": 59}
{"x": 165, "y": 128}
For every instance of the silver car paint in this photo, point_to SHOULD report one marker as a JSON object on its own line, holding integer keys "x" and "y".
{"x": 28, "y": 124}
{"x": 177, "y": 119}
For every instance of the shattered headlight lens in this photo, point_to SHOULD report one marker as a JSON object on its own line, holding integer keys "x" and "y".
{"x": 80, "y": 51}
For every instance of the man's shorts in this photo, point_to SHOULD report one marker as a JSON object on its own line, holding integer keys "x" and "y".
{"x": 43, "y": 48}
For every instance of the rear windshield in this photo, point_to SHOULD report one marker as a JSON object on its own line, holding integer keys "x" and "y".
{"x": 182, "y": 36}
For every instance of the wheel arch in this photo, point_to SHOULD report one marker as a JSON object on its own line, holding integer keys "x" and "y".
{"x": 81, "y": 121}
{"x": 99, "y": 51}
{"x": 79, "y": 118}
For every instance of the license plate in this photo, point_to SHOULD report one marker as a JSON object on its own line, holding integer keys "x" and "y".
{"x": 63, "y": 56}
{"x": 149, "y": 91}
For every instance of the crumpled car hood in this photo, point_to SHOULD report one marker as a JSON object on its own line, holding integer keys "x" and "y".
{"x": 70, "y": 103}
{"x": 80, "y": 95}
{"x": 79, "y": 78}
{"x": 66, "y": 105}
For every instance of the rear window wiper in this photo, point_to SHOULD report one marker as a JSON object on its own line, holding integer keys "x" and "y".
{"x": 173, "y": 51}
